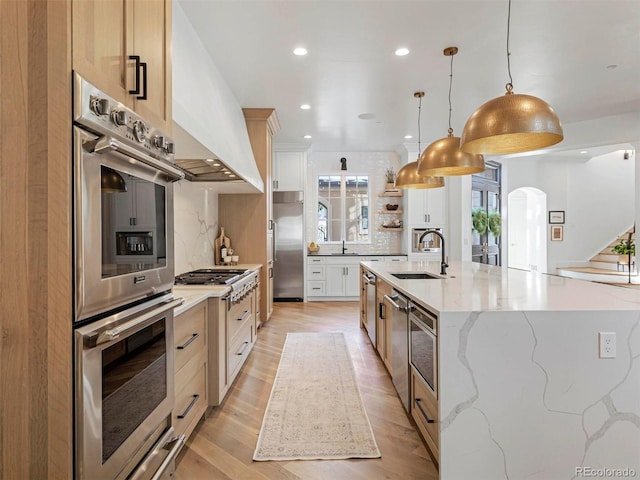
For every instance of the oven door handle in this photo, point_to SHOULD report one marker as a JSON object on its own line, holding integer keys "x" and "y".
{"x": 108, "y": 144}
{"x": 97, "y": 337}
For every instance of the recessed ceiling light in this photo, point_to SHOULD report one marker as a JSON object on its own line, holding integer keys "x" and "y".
{"x": 402, "y": 51}
{"x": 583, "y": 152}
{"x": 408, "y": 136}
{"x": 307, "y": 136}
{"x": 300, "y": 51}
{"x": 305, "y": 106}
{"x": 366, "y": 116}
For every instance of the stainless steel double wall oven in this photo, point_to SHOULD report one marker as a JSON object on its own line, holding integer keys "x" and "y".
{"x": 123, "y": 308}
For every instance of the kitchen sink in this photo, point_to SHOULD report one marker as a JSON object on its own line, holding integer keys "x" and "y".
{"x": 416, "y": 276}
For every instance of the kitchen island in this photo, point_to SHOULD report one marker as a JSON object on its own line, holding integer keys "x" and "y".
{"x": 522, "y": 390}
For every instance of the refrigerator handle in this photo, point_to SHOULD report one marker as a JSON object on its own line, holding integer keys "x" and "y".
{"x": 273, "y": 242}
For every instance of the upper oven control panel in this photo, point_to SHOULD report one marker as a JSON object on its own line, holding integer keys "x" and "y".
{"x": 100, "y": 113}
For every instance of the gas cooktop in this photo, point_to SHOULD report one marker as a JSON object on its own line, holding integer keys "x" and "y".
{"x": 210, "y": 276}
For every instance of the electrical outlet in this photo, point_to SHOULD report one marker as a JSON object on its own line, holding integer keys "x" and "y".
{"x": 607, "y": 344}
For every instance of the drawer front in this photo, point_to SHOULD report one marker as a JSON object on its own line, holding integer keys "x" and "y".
{"x": 239, "y": 315}
{"x": 190, "y": 334}
{"x": 373, "y": 259}
{"x": 315, "y": 261}
{"x": 399, "y": 258}
{"x": 346, "y": 260}
{"x": 424, "y": 410}
{"x": 316, "y": 289}
{"x": 239, "y": 350}
{"x": 316, "y": 272}
{"x": 190, "y": 393}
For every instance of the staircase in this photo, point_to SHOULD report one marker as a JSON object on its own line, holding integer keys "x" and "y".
{"x": 605, "y": 267}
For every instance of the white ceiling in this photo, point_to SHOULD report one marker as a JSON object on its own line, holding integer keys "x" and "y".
{"x": 560, "y": 51}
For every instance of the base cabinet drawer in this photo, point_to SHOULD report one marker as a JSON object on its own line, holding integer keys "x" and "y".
{"x": 189, "y": 336}
{"x": 316, "y": 289}
{"x": 424, "y": 410}
{"x": 236, "y": 320}
{"x": 239, "y": 350}
{"x": 190, "y": 394}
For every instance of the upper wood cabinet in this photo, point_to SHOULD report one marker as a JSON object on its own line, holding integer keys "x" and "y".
{"x": 106, "y": 33}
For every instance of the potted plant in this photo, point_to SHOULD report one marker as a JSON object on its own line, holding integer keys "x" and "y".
{"x": 390, "y": 176}
{"x": 623, "y": 249}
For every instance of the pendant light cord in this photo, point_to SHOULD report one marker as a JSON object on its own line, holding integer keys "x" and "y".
{"x": 450, "y": 83}
{"x": 510, "y": 84}
{"x": 419, "y": 109}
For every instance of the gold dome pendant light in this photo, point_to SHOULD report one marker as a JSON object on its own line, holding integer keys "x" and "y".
{"x": 512, "y": 123}
{"x": 408, "y": 176}
{"x": 444, "y": 157}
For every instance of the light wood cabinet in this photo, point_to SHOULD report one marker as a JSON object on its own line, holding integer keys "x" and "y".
{"x": 107, "y": 34}
{"x": 232, "y": 332}
{"x": 190, "y": 365}
{"x": 424, "y": 410}
{"x": 247, "y": 218}
{"x": 383, "y": 322}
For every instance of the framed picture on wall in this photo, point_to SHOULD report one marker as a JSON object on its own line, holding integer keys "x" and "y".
{"x": 557, "y": 233}
{"x": 556, "y": 216}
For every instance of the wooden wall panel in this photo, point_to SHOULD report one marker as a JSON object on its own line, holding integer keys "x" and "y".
{"x": 35, "y": 240}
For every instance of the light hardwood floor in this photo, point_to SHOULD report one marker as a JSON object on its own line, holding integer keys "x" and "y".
{"x": 222, "y": 445}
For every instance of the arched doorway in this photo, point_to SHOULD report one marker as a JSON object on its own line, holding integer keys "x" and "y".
{"x": 527, "y": 229}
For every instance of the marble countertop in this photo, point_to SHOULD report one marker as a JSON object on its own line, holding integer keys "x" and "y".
{"x": 474, "y": 287}
{"x": 194, "y": 294}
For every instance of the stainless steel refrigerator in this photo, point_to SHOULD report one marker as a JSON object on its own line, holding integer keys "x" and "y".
{"x": 288, "y": 267}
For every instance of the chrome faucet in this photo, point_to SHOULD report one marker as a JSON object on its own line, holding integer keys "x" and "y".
{"x": 344, "y": 249}
{"x": 443, "y": 264}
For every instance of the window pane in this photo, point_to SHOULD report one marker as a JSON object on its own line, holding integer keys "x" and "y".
{"x": 343, "y": 208}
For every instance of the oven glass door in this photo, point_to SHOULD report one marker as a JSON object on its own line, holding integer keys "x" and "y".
{"x": 123, "y": 387}
{"x": 423, "y": 351}
{"x": 134, "y": 383}
{"x": 134, "y": 219}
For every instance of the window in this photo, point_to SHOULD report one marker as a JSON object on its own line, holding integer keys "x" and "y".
{"x": 343, "y": 208}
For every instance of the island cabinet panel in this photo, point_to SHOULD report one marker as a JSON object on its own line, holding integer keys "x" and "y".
{"x": 424, "y": 410}
{"x": 190, "y": 364}
{"x": 106, "y": 33}
{"x": 383, "y": 322}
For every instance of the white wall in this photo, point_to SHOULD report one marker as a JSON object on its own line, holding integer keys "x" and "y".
{"x": 597, "y": 195}
{"x": 373, "y": 164}
{"x": 195, "y": 224}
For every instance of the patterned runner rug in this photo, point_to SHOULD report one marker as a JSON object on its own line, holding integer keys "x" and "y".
{"x": 315, "y": 410}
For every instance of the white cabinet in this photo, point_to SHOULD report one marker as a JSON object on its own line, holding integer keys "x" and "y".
{"x": 427, "y": 207}
{"x": 289, "y": 171}
{"x": 136, "y": 207}
{"x": 343, "y": 280}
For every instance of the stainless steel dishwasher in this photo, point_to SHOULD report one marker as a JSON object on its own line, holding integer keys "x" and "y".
{"x": 369, "y": 280}
{"x": 400, "y": 345}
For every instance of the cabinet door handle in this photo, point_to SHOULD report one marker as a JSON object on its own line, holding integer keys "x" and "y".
{"x": 424, "y": 414}
{"x": 244, "y": 347}
{"x": 188, "y": 342}
{"x": 244, "y": 315}
{"x": 136, "y": 91}
{"x": 143, "y": 66}
{"x": 190, "y": 406}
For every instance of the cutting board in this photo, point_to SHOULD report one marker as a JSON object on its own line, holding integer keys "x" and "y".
{"x": 217, "y": 244}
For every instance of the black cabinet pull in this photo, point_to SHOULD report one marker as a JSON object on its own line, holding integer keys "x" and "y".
{"x": 190, "y": 406}
{"x": 143, "y": 66}
{"x": 136, "y": 91}
{"x": 424, "y": 414}
{"x": 188, "y": 342}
